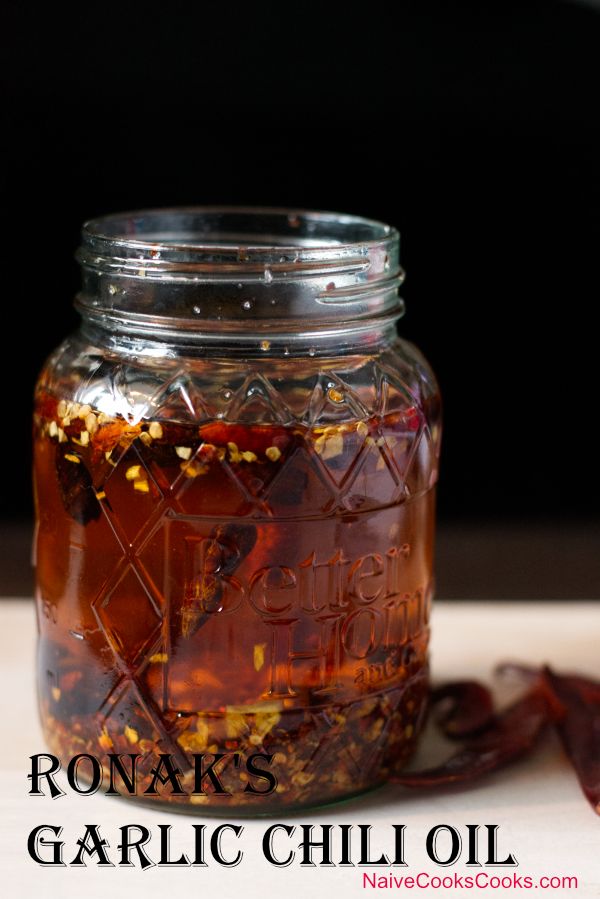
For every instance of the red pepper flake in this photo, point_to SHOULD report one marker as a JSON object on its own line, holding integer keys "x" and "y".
{"x": 412, "y": 418}
{"x": 406, "y": 419}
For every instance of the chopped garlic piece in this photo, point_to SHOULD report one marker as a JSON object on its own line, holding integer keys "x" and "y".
{"x": 195, "y": 741}
{"x": 155, "y": 430}
{"x": 105, "y": 740}
{"x": 273, "y": 453}
{"x": 234, "y": 453}
{"x": 334, "y": 446}
{"x": 131, "y": 734}
{"x": 159, "y": 658}
{"x": 192, "y": 469}
{"x": 259, "y": 655}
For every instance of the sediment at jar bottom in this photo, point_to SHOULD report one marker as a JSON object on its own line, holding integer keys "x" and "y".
{"x": 258, "y": 760}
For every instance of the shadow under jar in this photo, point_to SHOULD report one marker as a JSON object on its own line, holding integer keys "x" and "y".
{"x": 235, "y": 467}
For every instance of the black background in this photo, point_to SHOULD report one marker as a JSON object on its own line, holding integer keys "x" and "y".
{"x": 472, "y": 128}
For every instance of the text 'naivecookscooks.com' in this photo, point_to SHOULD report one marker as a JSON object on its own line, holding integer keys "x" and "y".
{"x": 482, "y": 880}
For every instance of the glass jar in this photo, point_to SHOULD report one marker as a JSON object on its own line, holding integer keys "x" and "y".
{"x": 235, "y": 467}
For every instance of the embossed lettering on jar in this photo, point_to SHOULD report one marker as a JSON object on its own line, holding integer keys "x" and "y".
{"x": 235, "y": 467}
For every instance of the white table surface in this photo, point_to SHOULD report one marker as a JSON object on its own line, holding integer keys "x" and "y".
{"x": 543, "y": 818}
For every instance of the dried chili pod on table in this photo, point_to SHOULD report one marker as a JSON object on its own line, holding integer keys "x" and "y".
{"x": 589, "y": 688}
{"x": 511, "y": 735}
{"x": 526, "y": 673}
{"x": 465, "y": 708}
{"x": 579, "y": 728}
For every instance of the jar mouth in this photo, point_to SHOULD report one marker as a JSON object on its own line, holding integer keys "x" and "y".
{"x": 191, "y": 232}
{"x": 197, "y": 264}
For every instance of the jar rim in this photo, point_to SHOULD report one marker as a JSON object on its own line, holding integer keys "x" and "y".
{"x": 300, "y": 230}
{"x": 225, "y": 267}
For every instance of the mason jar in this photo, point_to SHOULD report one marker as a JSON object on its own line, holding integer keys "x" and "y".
{"x": 235, "y": 469}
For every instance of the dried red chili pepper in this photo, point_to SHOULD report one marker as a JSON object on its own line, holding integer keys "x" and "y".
{"x": 467, "y": 708}
{"x": 523, "y": 672}
{"x": 228, "y": 546}
{"x": 579, "y": 728}
{"x": 511, "y": 735}
{"x": 571, "y": 702}
{"x": 590, "y": 689}
{"x": 76, "y": 489}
